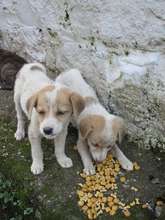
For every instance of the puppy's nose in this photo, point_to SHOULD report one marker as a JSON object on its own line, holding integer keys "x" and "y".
{"x": 98, "y": 161}
{"x": 48, "y": 130}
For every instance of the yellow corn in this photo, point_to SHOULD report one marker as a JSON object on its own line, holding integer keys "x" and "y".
{"x": 122, "y": 179}
{"x": 94, "y": 198}
{"x": 136, "y": 166}
{"x": 126, "y": 213}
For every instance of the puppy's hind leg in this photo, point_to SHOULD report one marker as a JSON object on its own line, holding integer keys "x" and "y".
{"x": 123, "y": 160}
{"x": 20, "y": 132}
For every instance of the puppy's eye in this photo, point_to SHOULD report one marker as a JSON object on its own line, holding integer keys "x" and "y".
{"x": 41, "y": 112}
{"x": 60, "y": 113}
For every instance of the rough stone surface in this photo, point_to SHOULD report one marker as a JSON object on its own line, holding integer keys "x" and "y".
{"x": 119, "y": 47}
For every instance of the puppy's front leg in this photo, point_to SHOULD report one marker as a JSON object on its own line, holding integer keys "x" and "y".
{"x": 61, "y": 157}
{"x": 123, "y": 160}
{"x": 37, "y": 155}
{"x": 82, "y": 147}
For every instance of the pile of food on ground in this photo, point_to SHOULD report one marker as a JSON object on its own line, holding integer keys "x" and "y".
{"x": 98, "y": 194}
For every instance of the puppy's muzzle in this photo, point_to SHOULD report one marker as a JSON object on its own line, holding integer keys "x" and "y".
{"x": 48, "y": 130}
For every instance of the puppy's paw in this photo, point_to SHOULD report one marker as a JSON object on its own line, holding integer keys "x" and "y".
{"x": 37, "y": 168}
{"x": 19, "y": 135}
{"x": 65, "y": 162}
{"x": 127, "y": 165}
{"x": 89, "y": 170}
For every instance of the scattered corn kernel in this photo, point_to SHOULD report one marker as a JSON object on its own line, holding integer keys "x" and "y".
{"x": 132, "y": 203}
{"x": 112, "y": 212}
{"x": 117, "y": 169}
{"x": 80, "y": 193}
{"x": 110, "y": 204}
{"x": 113, "y": 195}
{"x": 126, "y": 213}
{"x": 159, "y": 203}
{"x": 89, "y": 195}
{"x": 116, "y": 200}
{"x": 80, "y": 203}
{"x": 144, "y": 206}
{"x": 121, "y": 204}
{"x": 128, "y": 207}
{"x": 114, "y": 207}
{"x": 136, "y": 166}
{"x": 107, "y": 209}
{"x": 137, "y": 201}
{"x": 104, "y": 199}
{"x": 134, "y": 189}
{"x": 122, "y": 179}
{"x": 85, "y": 208}
{"x": 110, "y": 199}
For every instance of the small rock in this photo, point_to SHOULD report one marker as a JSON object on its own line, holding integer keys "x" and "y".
{"x": 154, "y": 180}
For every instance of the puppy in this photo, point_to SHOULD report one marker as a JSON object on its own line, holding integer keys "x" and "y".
{"x": 99, "y": 131}
{"x": 49, "y": 108}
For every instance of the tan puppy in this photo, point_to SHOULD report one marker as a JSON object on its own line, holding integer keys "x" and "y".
{"x": 49, "y": 108}
{"x": 99, "y": 131}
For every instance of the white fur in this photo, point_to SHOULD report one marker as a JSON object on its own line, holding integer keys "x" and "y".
{"x": 29, "y": 82}
{"x": 74, "y": 80}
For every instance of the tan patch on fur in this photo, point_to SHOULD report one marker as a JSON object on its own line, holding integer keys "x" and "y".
{"x": 69, "y": 101}
{"x": 78, "y": 104}
{"x": 89, "y": 100}
{"x": 62, "y": 105}
{"x": 47, "y": 89}
{"x": 63, "y": 97}
{"x": 42, "y": 106}
{"x": 91, "y": 123}
{"x": 38, "y": 97}
{"x": 118, "y": 128}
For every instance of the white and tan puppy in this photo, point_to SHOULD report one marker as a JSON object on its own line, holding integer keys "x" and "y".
{"x": 99, "y": 131}
{"x": 49, "y": 108}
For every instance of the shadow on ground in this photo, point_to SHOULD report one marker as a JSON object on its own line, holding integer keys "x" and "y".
{"x": 53, "y": 193}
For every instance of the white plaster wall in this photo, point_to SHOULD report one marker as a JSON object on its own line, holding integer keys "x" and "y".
{"x": 118, "y": 45}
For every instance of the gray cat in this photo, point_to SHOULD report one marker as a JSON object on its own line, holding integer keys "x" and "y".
{"x": 10, "y": 64}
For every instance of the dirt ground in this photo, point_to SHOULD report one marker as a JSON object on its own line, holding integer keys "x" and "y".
{"x": 53, "y": 193}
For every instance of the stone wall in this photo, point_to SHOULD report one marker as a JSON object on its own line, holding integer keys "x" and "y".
{"x": 118, "y": 45}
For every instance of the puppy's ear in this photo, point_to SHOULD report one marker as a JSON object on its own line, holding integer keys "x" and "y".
{"x": 31, "y": 103}
{"x": 85, "y": 128}
{"x": 119, "y": 129}
{"x": 78, "y": 104}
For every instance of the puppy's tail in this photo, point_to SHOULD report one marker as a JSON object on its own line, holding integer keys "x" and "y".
{"x": 30, "y": 68}
{"x": 36, "y": 67}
